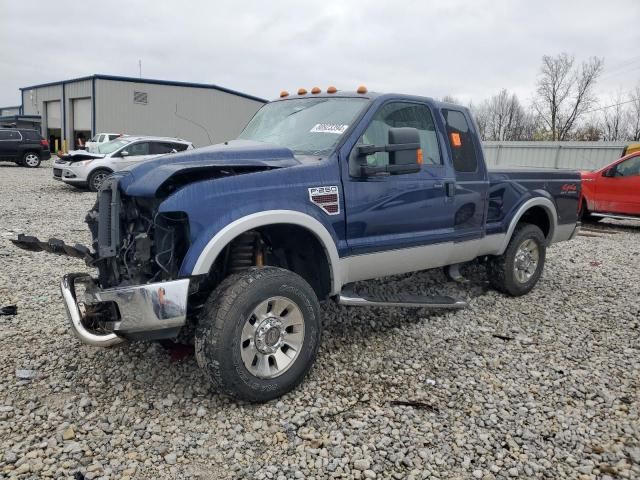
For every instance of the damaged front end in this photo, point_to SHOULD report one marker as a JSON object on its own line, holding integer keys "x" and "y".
{"x": 137, "y": 251}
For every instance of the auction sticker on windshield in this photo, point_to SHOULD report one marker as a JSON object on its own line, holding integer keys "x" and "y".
{"x": 329, "y": 128}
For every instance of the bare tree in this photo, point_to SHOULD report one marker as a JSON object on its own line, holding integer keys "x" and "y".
{"x": 614, "y": 120}
{"x": 502, "y": 117}
{"x": 451, "y": 99}
{"x": 565, "y": 93}
{"x": 634, "y": 114}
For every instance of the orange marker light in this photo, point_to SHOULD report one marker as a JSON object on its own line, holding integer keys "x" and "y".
{"x": 362, "y": 89}
{"x": 302, "y": 91}
{"x": 455, "y": 139}
{"x": 332, "y": 89}
{"x": 315, "y": 90}
{"x": 284, "y": 93}
{"x": 419, "y": 157}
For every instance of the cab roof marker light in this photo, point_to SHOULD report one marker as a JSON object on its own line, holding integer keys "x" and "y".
{"x": 315, "y": 90}
{"x": 362, "y": 89}
{"x": 302, "y": 91}
{"x": 332, "y": 89}
{"x": 284, "y": 94}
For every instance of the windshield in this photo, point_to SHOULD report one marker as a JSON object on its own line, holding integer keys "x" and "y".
{"x": 307, "y": 126}
{"x": 110, "y": 147}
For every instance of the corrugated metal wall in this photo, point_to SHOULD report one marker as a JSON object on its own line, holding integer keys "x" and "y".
{"x": 74, "y": 91}
{"x": 34, "y": 102}
{"x": 6, "y": 111}
{"x": 200, "y": 115}
{"x": 571, "y": 155}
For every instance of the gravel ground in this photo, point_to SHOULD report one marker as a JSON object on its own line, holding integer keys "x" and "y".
{"x": 545, "y": 386}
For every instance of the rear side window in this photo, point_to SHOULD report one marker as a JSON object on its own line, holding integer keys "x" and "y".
{"x": 101, "y": 139}
{"x": 180, "y": 147}
{"x": 113, "y": 137}
{"x": 159, "y": 148}
{"x": 461, "y": 141}
{"x": 31, "y": 135}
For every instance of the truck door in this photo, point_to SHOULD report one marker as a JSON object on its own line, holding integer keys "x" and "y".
{"x": 619, "y": 190}
{"x": 471, "y": 175}
{"x": 398, "y": 211}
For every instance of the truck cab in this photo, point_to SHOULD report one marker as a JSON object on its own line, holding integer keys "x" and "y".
{"x": 241, "y": 241}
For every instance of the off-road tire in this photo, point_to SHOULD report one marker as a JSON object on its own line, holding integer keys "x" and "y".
{"x": 501, "y": 271}
{"x": 218, "y": 334}
{"x": 30, "y": 160}
{"x": 93, "y": 176}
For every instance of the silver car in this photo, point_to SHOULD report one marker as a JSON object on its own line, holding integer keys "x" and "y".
{"x": 88, "y": 169}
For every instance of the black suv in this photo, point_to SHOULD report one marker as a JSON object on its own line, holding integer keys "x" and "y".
{"x": 25, "y": 147}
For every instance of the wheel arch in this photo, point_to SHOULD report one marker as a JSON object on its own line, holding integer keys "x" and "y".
{"x": 273, "y": 219}
{"x": 539, "y": 211}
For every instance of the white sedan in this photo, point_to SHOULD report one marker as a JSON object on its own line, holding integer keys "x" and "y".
{"x": 88, "y": 169}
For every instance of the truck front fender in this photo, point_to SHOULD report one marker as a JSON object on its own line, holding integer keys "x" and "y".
{"x": 225, "y": 235}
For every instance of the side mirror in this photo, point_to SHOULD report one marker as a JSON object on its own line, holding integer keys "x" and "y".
{"x": 124, "y": 153}
{"x": 404, "y": 152}
{"x": 609, "y": 172}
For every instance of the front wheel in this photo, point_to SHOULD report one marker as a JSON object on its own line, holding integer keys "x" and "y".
{"x": 96, "y": 178}
{"x": 31, "y": 160}
{"x": 519, "y": 268}
{"x": 259, "y": 333}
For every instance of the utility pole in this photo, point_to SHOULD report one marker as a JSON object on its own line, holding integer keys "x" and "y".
{"x": 140, "y": 68}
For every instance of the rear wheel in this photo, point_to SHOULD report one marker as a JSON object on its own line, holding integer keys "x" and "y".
{"x": 259, "y": 333}
{"x": 519, "y": 268}
{"x": 31, "y": 160}
{"x": 96, "y": 178}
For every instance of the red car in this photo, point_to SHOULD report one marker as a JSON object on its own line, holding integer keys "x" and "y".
{"x": 613, "y": 190}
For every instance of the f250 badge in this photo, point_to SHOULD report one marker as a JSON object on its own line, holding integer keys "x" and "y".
{"x": 327, "y": 198}
{"x": 569, "y": 188}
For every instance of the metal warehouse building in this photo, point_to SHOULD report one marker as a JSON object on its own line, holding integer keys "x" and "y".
{"x": 82, "y": 107}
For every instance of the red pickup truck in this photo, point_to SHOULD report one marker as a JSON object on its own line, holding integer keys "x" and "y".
{"x": 613, "y": 190}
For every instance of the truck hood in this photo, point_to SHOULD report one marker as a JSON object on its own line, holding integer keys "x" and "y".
{"x": 161, "y": 176}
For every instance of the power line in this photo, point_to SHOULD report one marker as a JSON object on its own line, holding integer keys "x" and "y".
{"x": 611, "y": 106}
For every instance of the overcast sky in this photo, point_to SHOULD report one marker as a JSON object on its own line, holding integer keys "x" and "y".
{"x": 468, "y": 49}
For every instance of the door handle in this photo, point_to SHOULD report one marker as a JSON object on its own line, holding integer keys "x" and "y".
{"x": 438, "y": 185}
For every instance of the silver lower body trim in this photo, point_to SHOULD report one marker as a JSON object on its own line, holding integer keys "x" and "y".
{"x": 565, "y": 232}
{"x": 349, "y": 297}
{"x": 143, "y": 310}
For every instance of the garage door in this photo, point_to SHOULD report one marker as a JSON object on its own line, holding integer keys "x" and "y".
{"x": 53, "y": 115}
{"x": 82, "y": 114}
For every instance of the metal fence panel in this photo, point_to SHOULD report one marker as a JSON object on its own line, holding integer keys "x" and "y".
{"x": 571, "y": 155}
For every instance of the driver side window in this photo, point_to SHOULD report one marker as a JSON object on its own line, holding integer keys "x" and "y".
{"x": 402, "y": 114}
{"x": 137, "y": 149}
{"x": 628, "y": 168}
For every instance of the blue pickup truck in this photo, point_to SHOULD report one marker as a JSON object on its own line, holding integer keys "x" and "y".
{"x": 240, "y": 241}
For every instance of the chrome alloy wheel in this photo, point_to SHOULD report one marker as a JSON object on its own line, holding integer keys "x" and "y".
{"x": 526, "y": 260}
{"x": 272, "y": 337}
{"x": 31, "y": 160}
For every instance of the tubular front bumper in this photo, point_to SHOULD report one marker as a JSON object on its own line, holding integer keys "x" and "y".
{"x": 143, "y": 312}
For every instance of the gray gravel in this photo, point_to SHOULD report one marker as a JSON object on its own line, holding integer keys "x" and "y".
{"x": 545, "y": 386}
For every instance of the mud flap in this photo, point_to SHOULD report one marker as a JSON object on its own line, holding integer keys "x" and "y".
{"x": 53, "y": 245}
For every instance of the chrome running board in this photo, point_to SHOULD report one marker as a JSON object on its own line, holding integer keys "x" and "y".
{"x": 351, "y": 298}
